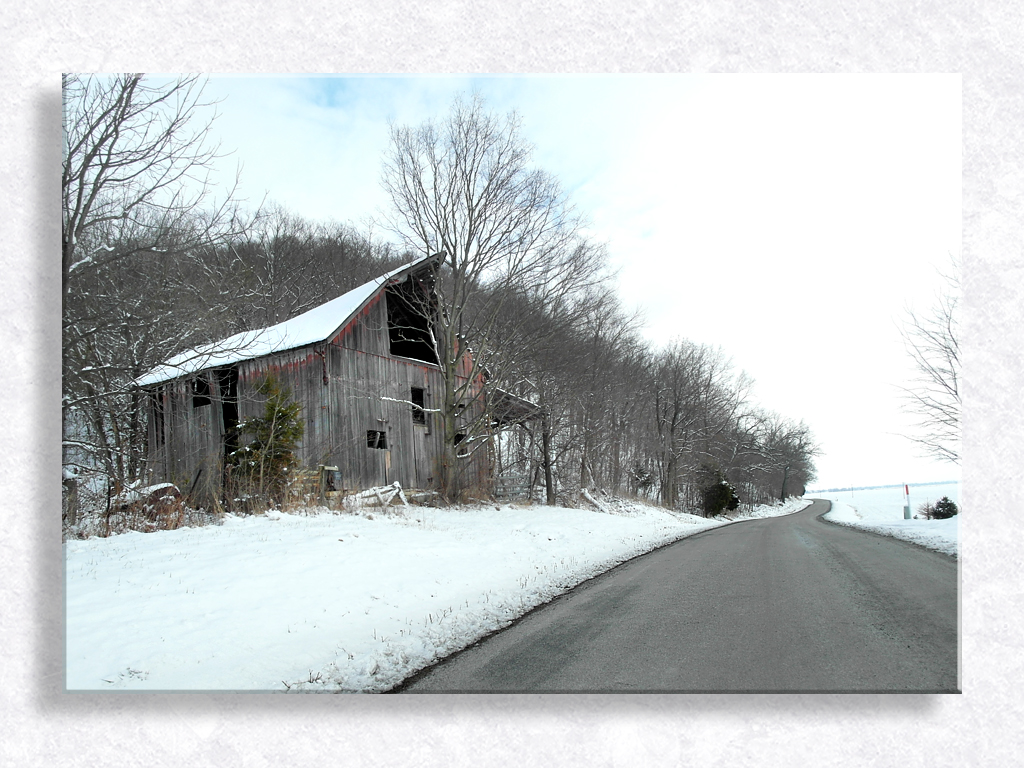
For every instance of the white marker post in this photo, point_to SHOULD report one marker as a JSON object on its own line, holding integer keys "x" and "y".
{"x": 906, "y": 506}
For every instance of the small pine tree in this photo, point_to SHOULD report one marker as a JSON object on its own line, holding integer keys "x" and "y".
{"x": 945, "y": 508}
{"x": 734, "y": 502}
{"x": 717, "y": 494}
{"x": 263, "y": 465}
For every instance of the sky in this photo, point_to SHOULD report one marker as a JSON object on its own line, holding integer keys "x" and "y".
{"x": 790, "y": 220}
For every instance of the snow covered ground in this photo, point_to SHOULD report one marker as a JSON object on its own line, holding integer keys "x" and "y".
{"x": 332, "y": 602}
{"x": 881, "y": 510}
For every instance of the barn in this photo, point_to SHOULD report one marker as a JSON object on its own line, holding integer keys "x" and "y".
{"x": 364, "y": 370}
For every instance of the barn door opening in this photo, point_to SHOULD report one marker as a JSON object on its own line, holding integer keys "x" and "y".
{"x": 378, "y": 440}
{"x": 227, "y": 386}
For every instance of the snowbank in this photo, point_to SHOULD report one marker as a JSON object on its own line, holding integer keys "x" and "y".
{"x": 880, "y": 510}
{"x": 334, "y": 602}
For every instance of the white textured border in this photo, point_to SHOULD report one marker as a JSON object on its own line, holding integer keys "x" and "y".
{"x": 42, "y": 725}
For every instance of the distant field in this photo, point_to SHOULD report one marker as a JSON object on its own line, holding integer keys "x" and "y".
{"x": 880, "y": 504}
{"x": 881, "y": 510}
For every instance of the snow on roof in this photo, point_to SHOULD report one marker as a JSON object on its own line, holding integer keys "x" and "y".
{"x": 318, "y": 324}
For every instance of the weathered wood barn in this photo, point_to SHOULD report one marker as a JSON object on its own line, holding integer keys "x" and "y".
{"x": 363, "y": 369}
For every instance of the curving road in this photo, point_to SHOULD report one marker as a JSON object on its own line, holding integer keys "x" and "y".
{"x": 779, "y": 604}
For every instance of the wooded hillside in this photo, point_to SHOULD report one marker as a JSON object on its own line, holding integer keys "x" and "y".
{"x": 155, "y": 261}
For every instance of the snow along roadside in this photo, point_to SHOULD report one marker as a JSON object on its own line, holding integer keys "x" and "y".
{"x": 333, "y": 602}
{"x": 939, "y": 535}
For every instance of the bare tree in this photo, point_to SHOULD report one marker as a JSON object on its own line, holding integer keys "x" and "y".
{"x": 465, "y": 188}
{"x": 933, "y": 343}
{"x": 778, "y": 456}
{"x": 575, "y": 367}
{"x": 287, "y": 265}
{"x": 138, "y": 206}
{"x": 136, "y": 171}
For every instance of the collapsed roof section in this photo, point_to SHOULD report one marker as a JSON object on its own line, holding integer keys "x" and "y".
{"x": 508, "y": 409}
{"x": 317, "y": 325}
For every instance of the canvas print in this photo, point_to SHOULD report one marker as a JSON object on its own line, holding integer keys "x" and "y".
{"x": 548, "y": 384}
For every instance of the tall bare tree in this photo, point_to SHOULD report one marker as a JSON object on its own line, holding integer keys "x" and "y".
{"x": 574, "y": 366}
{"x": 287, "y": 264}
{"x": 933, "y": 342}
{"x": 136, "y": 171}
{"x": 138, "y": 204}
{"x": 465, "y": 188}
{"x": 786, "y": 451}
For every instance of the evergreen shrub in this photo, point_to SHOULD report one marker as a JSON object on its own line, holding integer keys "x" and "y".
{"x": 263, "y": 466}
{"x": 945, "y": 508}
{"x": 718, "y": 494}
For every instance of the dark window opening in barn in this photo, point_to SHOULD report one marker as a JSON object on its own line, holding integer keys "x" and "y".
{"x": 376, "y": 439}
{"x": 409, "y": 321}
{"x": 461, "y": 445}
{"x": 227, "y": 385}
{"x": 200, "y": 392}
{"x": 419, "y": 416}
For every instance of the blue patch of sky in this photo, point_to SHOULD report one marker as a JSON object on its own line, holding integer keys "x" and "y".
{"x": 412, "y": 100}
{"x": 387, "y": 97}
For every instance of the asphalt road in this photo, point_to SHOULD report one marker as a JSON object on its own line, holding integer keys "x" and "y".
{"x": 790, "y": 604}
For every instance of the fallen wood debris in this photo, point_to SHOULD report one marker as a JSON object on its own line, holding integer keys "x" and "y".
{"x": 384, "y": 495}
{"x": 600, "y": 507}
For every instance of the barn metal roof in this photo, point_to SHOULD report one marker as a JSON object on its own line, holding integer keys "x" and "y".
{"x": 317, "y": 325}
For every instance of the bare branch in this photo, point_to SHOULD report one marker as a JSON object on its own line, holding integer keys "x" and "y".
{"x": 933, "y": 396}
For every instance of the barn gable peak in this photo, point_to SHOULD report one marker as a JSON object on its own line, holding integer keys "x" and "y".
{"x": 317, "y": 325}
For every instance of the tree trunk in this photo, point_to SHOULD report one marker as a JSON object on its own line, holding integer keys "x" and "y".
{"x": 549, "y": 481}
{"x": 668, "y": 488}
{"x": 70, "y": 500}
